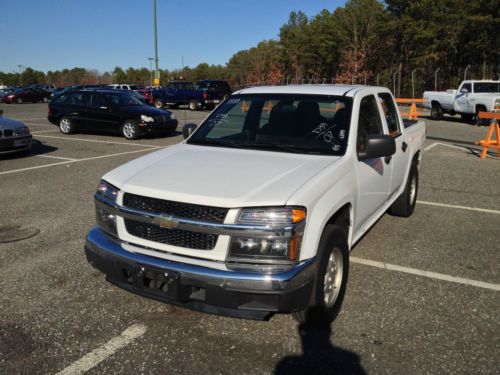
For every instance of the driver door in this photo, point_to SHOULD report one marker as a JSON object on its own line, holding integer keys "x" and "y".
{"x": 374, "y": 175}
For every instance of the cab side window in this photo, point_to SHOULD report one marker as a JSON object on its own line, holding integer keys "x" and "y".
{"x": 391, "y": 114}
{"x": 77, "y": 98}
{"x": 369, "y": 122}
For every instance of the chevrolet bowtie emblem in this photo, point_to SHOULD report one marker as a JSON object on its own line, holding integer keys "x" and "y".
{"x": 167, "y": 222}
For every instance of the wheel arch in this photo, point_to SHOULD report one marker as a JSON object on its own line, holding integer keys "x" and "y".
{"x": 343, "y": 218}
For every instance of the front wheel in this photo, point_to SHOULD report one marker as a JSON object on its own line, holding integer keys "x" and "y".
{"x": 66, "y": 126}
{"x": 436, "y": 111}
{"x": 158, "y": 104}
{"x": 406, "y": 202}
{"x": 193, "y": 105}
{"x": 19, "y": 101}
{"x": 130, "y": 130}
{"x": 331, "y": 281}
{"x": 479, "y": 121}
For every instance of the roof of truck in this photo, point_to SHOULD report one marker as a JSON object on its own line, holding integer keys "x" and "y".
{"x": 337, "y": 90}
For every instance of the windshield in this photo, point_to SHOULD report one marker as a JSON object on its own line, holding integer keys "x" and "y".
{"x": 490, "y": 87}
{"x": 285, "y": 123}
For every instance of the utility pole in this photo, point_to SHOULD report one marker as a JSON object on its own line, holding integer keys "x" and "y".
{"x": 157, "y": 73}
{"x": 151, "y": 69}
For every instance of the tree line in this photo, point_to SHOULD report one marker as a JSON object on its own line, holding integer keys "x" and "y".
{"x": 437, "y": 42}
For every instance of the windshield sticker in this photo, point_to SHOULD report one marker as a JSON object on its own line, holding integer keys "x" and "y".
{"x": 324, "y": 131}
{"x": 233, "y": 101}
{"x": 218, "y": 119}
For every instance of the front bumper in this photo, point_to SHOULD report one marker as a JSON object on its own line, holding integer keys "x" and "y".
{"x": 244, "y": 294}
{"x": 15, "y": 144}
{"x": 167, "y": 126}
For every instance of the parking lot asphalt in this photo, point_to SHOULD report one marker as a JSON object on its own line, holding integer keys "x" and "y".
{"x": 422, "y": 298}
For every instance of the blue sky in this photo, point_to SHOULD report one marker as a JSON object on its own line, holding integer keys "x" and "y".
{"x": 101, "y": 34}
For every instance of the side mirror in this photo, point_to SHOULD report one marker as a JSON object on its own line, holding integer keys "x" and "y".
{"x": 188, "y": 129}
{"x": 377, "y": 146}
{"x": 464, "y": 91}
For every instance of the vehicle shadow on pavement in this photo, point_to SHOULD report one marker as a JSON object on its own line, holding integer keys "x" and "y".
{"x": 37, "y": 148}
{"x": 319, "y": 356}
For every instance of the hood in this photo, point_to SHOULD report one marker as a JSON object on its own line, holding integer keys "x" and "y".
{"x": 145, "y": 110}
{"x": 218, "y": 176}
{"x": 7, "y": 123}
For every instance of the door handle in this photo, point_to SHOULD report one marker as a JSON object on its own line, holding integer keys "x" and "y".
{"x": 387, "y": 159}
{"x": 404, "y": 146}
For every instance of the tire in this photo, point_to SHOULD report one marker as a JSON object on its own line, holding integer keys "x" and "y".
{"x": 66, "y": 125}
{"x": 406, "y": 202}
{"x": 467, "y": 117}
{"x": 19, "y": 101}
{"x": 193, "y": 105}
{"x": 436, "y": 111}
{"x": 158, "y": 104}
{"x": 130, "y": 130}
{"x": 478, "y": 121}
{"x": 333, "y": 272}
{"x": 45, "y": 99}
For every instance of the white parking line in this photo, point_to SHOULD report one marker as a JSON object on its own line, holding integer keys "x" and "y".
{"x": 75, "y": 161}
{"x": 54, "y": 157}
{"x": 98, "y": 355}
{"x": 431, "y": 146}
{"x": 44, "y": 131}
{"x": 97, "y": 141}
{"x": 431, "y": 275}
{"x": 33, "y": 124}
{"x": 460, "y": 207}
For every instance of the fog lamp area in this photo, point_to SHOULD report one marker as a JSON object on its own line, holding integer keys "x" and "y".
{"x": 106, "y": 220}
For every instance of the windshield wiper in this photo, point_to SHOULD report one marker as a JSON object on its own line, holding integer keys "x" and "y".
{"x": 283, "y": 147}
{"x": 214, "y": 142}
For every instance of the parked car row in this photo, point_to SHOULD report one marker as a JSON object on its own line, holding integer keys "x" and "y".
{"x": 108, "y": 110}
{"x": 31, "y": 94}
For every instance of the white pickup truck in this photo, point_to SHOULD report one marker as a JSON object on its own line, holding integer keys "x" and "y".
{"x": 471, "y": 98}
{"x": 257, "y": 210}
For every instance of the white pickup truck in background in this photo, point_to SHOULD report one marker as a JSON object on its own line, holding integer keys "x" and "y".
{"x": 471, "y": 98}
{"x": 257, "y": 210}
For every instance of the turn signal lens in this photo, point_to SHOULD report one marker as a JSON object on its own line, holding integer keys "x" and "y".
{"x": 298, "y": 214}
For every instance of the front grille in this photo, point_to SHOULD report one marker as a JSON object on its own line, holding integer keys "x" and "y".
{"x": 179, "y": 209}
{"x": 175, "y": 237}
{"x": 8, "y": 132}
{"x": 162, "y": 118}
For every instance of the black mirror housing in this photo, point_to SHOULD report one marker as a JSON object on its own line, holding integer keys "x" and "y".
{"x": 377, "y": 146}
{"x": 188, "y": 129}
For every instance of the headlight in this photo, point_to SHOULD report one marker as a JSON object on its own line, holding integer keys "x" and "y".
{"x": 105, "y": 219}
{"x": 145, "y": 118}
{"x": 270, "y": 248}
{"x": 22, "y": 131}
{"x": 10, "y": 96}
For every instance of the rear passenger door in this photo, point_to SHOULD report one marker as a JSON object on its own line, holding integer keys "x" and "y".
{"x": 399, "y": 160}
{"x": 374, "y": 175}
{"x": 76, "y": 108}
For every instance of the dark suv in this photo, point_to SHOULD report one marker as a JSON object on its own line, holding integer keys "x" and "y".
{"x": 218, "y": 90}
{"x": 108, "y": 111}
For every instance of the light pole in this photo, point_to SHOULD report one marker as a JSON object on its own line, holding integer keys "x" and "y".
{"x": 436, "y": 78}
{"x": 412, "y": 85}
{"x": 394, "y": 83}
{"x": 157, "y": 73}
{"x": 21, "y": 67}
{"x": 151, "y": 68}
{"x": 465, "y": 72}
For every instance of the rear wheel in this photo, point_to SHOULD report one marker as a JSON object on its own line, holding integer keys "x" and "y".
{"x": 405, "y": 204}
{"x": 66, "y": 126}
{"x": 331, "y": 280}
{"x": 130, "y": 129}
{"x": 436, "y": 111}
{"x": 478, "y": 121}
